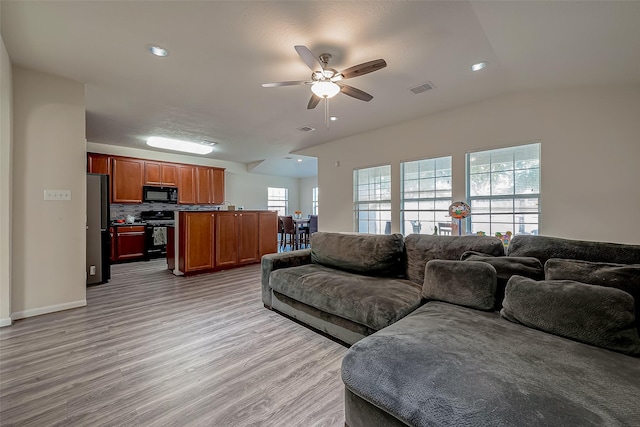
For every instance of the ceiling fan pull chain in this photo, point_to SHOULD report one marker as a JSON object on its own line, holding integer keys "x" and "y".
{"x": 326, "y": 112}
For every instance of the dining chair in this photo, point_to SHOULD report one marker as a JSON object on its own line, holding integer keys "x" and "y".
{"x": 280, "y": 232}
{"x": 289, "y": 228}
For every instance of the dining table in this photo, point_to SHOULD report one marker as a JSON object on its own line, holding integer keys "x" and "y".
{"x": 301, "y": 224}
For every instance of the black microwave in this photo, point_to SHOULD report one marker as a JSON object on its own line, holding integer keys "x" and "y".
{"x": 159, "y": 194}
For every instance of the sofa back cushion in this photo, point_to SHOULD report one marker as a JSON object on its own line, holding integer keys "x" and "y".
{"x": 422, "y": 248}
{"x": 544, "y": 247}
{"x": 370, "y": 254}
{"x": 595, "y": 315}
{"x": 625, "y": 277}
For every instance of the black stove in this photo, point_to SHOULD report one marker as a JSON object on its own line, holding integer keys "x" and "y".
{"x": 156, "y": 232}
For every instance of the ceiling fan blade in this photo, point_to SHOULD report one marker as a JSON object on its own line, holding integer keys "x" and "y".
{"x": 290, "y": 83}
{"x": 364, "y": 68}
{"x": 355, "y": 93}
{"x": 313, "y": 102}
{"x": 308, "y": 57}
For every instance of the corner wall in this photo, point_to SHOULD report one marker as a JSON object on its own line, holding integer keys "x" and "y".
{"x": 6, "y": 143}
{"x": 49, "y": 237}
{"x": 590, "y": 149}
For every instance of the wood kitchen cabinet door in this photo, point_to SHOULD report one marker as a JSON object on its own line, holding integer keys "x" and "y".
{"x": 127, "y": 180}
{"x": 226, "y": 239}
{"x": 130, "y": 242}
{"x": 203, "y": 185}
{"x": 169, "y": 174}
{"x": 186, "y": 185}
{"x": 158, "y": 173}
{"x": 268, "y": 229}
{"x": 98, "y": 163}
{"x": 248, "y": 249}
{"x": 217, "y": 186}
{"x": 199, "y": 246}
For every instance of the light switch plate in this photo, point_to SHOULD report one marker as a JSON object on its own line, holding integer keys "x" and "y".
{"x": 57, "y": 194}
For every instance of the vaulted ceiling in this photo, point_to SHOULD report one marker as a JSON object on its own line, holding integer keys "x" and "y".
{"x": 220, "y": 52}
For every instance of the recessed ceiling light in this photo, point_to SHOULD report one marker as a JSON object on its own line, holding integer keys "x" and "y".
{"x": 177, "y": 145}
{"x": 299, "y": 160}
{"x": 333, "y": 118}
{"x": 158, "y": 51}
{"x": 479, "y": 66}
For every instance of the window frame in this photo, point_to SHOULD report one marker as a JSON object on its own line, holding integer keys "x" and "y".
{"x": 439, "y": 210}
{"x": 514, "y": 197}
{"x": 278, "y": 206}
{"x": 314, "y": 201}
{"x": 378, "y": 187}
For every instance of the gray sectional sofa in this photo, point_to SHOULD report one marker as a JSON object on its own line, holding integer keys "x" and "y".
{"x": 464, "y": 335}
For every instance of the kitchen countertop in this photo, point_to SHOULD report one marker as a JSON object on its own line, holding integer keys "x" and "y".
{"x": 124, "y": 224}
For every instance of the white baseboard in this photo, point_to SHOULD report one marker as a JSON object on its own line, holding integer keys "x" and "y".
{"x": 50, "y": 309}
{"x": 5, "y": 322}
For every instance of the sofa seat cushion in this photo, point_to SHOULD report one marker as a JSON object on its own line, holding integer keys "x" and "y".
{"x": 375, "y": 302}
{"x": 449, "y": 365}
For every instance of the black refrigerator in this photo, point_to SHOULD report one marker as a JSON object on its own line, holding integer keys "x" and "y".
{"x": 98, "y": 237}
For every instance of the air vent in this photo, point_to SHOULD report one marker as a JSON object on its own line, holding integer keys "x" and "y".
{"x": 422, "y": 88}
{"x": 306, "y": 129}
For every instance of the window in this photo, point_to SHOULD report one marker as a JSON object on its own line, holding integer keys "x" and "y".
{"x": 372, "y": 199}
{"x": 278, "y": 200}
{"x": 503, "y": 187}
{"x": 314, "y": 201}
{"x": 426, "y": 195}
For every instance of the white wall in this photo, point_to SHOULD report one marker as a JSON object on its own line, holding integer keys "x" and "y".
{"x": 306, "y": 195}
{"x": 6, "y": 142}
{"x": 49, "y": 237}
{"x": 242, "y": 188}
{"x": 590, "y": 151}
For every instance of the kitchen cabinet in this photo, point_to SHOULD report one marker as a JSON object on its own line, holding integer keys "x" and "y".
{"x": 236, "y": 238}
{"x": 127, "y": 177}
{"x": 209, "y": 185}
{"x": 268, "y": 233}
{"x": 215, "y": 240}
{"x": 129, "y": 242}
{"x": 159, "y": 173}
{"x": 186, "y": 185}
{"x": 196, "y": 246}
{"x": 98, "y": 163}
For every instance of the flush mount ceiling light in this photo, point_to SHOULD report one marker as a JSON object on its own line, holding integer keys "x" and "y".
{"x": 158, "y": 50}
{"x": 479, "y": 66}
{"x": 177, "y": 145}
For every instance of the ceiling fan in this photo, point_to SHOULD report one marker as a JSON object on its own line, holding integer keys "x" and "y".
{"x": 327, "y": 82}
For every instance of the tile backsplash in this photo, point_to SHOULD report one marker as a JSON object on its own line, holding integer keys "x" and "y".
{"x": 121, "y": 210}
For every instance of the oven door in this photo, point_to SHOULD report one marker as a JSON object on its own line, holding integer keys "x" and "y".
{"x": 156, "y": 241}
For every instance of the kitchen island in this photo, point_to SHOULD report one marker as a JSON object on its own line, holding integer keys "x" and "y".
{"x": 216, "y": 240}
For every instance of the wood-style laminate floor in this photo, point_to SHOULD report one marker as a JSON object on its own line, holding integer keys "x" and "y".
{"x": 152, "y": 349}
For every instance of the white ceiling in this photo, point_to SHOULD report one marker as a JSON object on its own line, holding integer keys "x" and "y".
{"x": 209, "y": 87}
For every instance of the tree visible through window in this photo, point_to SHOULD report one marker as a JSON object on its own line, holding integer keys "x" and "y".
{"x": 503, "y": 187}
{"x": 372, "y": 199}
{"x": 426, "y": 195}
{"x": 278, "y": 200}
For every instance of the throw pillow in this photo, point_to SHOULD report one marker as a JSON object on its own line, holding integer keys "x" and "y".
{"x": 507, "y": 266}
{"x": 625, "y": 277}
{"x": 590, "y": 314}
{"x": 470, "y": 284}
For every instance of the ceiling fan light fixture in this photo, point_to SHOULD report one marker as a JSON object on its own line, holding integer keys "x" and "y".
{"x": 325, "y": 89}
{"x": 178, "y": 145}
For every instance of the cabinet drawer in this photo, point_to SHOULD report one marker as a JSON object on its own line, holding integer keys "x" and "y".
{"x": 130, "y": 229}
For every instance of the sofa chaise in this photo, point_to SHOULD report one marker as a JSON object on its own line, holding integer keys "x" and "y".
{"x": 544, "y": 336}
